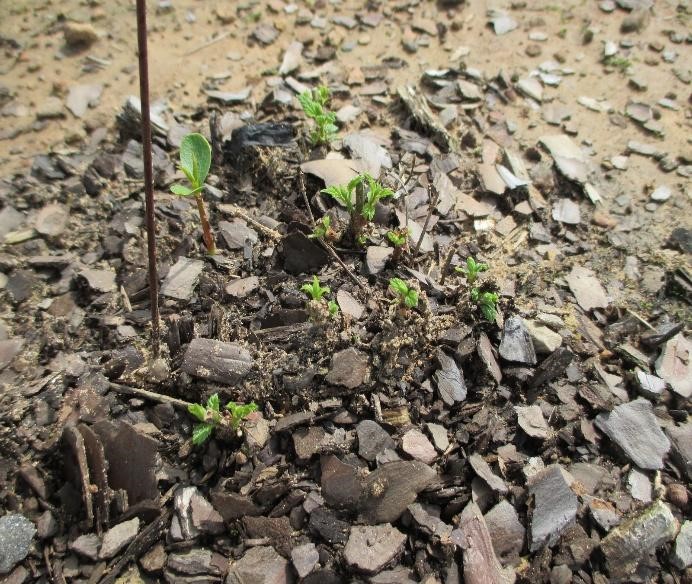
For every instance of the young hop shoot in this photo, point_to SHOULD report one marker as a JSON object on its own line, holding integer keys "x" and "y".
{"x": 472, "y": 269}
{"x": 362, "y": 206}
{"x": 211, "y": 417}
{"x": 314, "y": 105}
{"x": 317, "y": 293}
{"x": 405, "y": 296}
{"x": 195, "y": 162}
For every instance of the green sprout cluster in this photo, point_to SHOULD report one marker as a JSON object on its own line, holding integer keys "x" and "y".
{"x": 486, "y": 301}
{"x": 405, "y": 295}
{"x": 316, "y": 292}
{"x": 362, "y": 204}
{"x": 398, "y": 238}
{"x": 314, "y": 105}
{"x": 472, "y": 269}
{"x": 375, "y": 193}
{"x": 195, "y": 162}
{"x": 322, "y": 229}
{"x": 211, "y": 417}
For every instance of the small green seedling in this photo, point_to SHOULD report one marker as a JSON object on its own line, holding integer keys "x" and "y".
{"x": 487, "y": 302}
{"x": 322, "y": 229}
{"x": 314, "y": 105}
{"x": 239, "y": 412}
{"x": 622, "y": 64}
{"x": 318, "y": 307}
{"x": 361, "y": 207}
{"x": 195, "y": 162}
{"x": 398, "y": 238}
{"x": 211, "y": 417}
{"x": 472, "y": 269}
{"x": 314, "y": 290}
{"x": 405, "y": 296}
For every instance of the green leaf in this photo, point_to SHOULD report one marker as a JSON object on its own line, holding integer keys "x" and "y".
{"x": 398, "y": 286}
{"x": 195, "y": 158}
{"x": 411, "y": 299}
{"x": 489, "y": 312}
{"x": 341, "y": 194}
{"x": 198, "y": 411}
{"x": 321, "y": 94}
{"x": 487, "y": 301}
{"x": 314, "y": 290}
{"x": 354, "y": 182}
{"x": 201, "y": 433}
{"x": 239, "y": 412}
{"x": 182, "y": 190}
{"x": 333, "y": 308}
{"x": 213, "y": 403}
{"x": 397, "y": 239}
{"x": 305, "y": 99}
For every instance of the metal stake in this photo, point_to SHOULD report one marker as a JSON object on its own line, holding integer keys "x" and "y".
{"x": 148, "y": 175}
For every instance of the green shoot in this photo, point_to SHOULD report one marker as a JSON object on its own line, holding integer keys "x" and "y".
{"x": 472, "y": 269}
{"x": 405, "y": 296}
{"x": 487, "y": 302}
{"x": 365, "y": 203}
{"x": 620, "y": 63}
{"x": 314, "y": 290}
{"x": 398, "y": 238}
{"x": 376, "y": 192}
{"x": 322, "y": 228}
{"x": 333, "y": 308}
{"x": 211, "y": 417}
{"x": 313, "y": 104}
{"x": 239, "y": 412}
{"x": 195, "y": 162}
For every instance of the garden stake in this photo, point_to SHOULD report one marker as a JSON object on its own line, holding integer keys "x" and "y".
{"x": 148, "y": 179}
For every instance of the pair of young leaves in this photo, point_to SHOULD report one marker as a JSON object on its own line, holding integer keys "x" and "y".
{"x": 406, "y": 295}
{"x": 487, "y": 301}
{"x": 344, "y": 194}
{"x": 316, "y": 291}
{"x": 211, "y": 416}
{"x": 195, "y": 162}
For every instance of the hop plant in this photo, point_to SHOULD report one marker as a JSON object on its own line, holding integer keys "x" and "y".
{"x": 487, "y": 302}
{"x": 314, "y": 289}
{"x": 314, "y": 105}
{"x": 195, "y": 162}
{"x": 472, "y": 269}
{"x": 211, "y": 417}
{"x": 405, "y": 295}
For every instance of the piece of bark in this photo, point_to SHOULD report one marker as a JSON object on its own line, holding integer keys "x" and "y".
{"x": 481, "y": 565}
{"x": 217, "y": 361}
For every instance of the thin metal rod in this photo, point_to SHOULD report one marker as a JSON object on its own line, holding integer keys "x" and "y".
{"x": 148, "y": 175}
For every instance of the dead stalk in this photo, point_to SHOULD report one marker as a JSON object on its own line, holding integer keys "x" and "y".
{"x": 433, "y": 203}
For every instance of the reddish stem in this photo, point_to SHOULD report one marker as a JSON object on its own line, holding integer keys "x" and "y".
{"x": 206, "y": 228}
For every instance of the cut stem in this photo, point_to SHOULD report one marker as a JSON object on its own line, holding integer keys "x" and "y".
{"x": 357, "y": 219}
{"x": 207, "y": 235}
